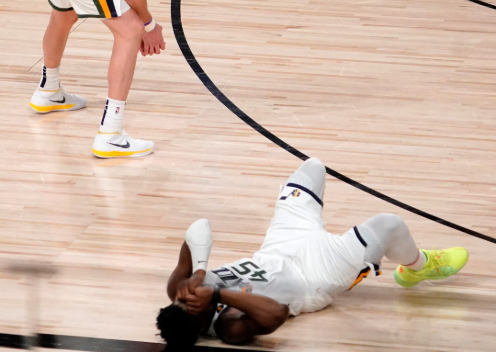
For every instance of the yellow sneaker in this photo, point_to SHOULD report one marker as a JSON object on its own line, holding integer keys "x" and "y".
{"x": 440, "y": 264}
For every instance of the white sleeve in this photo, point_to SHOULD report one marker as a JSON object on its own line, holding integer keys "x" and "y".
{"x": 199, "y": 241}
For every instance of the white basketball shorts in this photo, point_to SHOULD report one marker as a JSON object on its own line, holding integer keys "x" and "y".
{"x": 92, "y": 8}
{"x": 329, "y": 264}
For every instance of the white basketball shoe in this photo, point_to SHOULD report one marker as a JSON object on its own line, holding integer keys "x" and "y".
{"x": 120, "y": 144}
{"x": 44, "y": 101}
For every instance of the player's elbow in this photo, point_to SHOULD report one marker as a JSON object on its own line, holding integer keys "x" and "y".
{"x": 171, "y": 291}
{"x": 278, "y": 318}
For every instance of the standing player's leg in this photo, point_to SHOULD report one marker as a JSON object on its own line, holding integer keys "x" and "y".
{"x": 50, "y": 96}
{"x": 388, "y": 235}
{"x": 111, "y": 140}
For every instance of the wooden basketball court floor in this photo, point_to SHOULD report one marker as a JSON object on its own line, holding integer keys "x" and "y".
{"x": 398, "y": 95}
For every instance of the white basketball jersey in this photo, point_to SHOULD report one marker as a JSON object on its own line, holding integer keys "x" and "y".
{"x": 265, "y": 275}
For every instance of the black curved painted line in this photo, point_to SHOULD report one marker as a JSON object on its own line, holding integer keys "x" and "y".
{"x": 483, "y": 4}
{"x": 177, "y": 26}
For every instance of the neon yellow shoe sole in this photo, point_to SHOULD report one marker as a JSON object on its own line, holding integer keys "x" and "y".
{"x": 440, "y": 265}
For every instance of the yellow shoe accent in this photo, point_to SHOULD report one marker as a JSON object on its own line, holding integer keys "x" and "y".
{"x": 114, "y": 154}
{"x": 51, "y": 108}
{"x": 108, "y": 133}
{"x": 440, "y": 264}
{"x": 50, "y": 91}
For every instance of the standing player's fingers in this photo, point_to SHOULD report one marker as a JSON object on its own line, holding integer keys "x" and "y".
{"x": 162, "y": 46}
{"x": 146, "y": 49}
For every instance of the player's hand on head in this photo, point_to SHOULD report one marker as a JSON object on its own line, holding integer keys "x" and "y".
{"x": 188, "y": 286}
{"x": 153, "y": 42}
{"x": 183, "y": 290}
{"x": 200, "y": 300}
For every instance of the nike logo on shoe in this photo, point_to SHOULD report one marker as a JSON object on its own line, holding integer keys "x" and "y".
{"x": 59, "y": 101}
{"x": 127, "y": 145}
{"x": 202, "y": 261}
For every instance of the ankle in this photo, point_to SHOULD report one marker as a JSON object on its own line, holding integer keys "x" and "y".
{"x": 112, "y": 116}
{"x": 419, "y": 263}
{"x": 50, "y": 78}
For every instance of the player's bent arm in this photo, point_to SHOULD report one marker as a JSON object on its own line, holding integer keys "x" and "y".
{"x": 266, "y": 312}
{"x": 153, "y": 40}
{"x": 237, "y": 328}
{"x": 257, "y": 315}
{"x": 183, "y": 271}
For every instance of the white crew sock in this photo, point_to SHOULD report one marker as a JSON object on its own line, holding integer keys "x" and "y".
{"x": 112, "y": 116}
{"x": 50, "y": 79}
{"x": 419, "y": 263}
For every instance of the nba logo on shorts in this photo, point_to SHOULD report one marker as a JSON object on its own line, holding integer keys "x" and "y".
{"x": 117, "y": 110}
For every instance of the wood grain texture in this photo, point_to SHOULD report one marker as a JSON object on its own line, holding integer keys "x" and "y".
{"x": 398, "y": 95}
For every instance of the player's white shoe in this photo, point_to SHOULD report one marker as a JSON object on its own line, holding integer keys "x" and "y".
{"x": 56, "y": 100}
{"x": 120, "y": 144}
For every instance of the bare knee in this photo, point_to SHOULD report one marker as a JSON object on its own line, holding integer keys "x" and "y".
{"x": 136, "y": 29}
{"x": 128, "y": 27}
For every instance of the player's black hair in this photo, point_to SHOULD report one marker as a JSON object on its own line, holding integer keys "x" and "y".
{"x": 178, "y": 328}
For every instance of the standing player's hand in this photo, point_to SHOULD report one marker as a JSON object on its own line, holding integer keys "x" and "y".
{"x": 153, "y": 42}
{"x": 200, "y": 301}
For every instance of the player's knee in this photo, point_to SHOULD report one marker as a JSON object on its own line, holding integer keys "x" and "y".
{"x": 315, "y": 162}
{"x": 136, "y": 30}
{"x": 393, "y": 223}
{"x": 128, "y": 27}
{"x": 315, "y": 167}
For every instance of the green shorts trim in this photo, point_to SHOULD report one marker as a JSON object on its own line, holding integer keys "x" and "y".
{"x": 60, "y": 9}
{"x": 91, "y": 16}
{"x": 101, "y": 14}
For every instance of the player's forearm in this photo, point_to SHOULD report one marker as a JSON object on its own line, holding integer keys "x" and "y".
{"x": 141, "y": 8}
{"x": 182, "y": 271}
{"x": 265, "y": 311}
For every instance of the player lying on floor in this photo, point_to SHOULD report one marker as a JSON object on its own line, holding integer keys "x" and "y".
{"x": 300, "y": 268}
